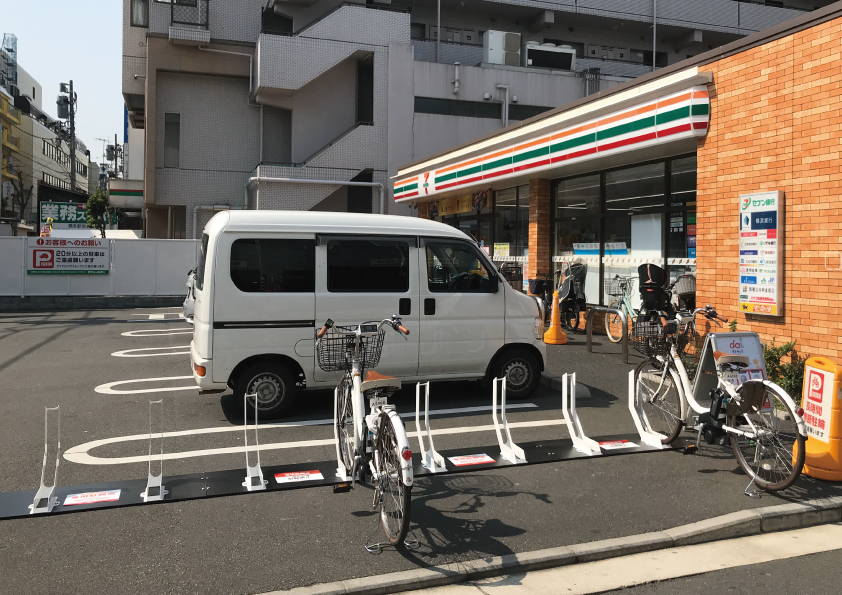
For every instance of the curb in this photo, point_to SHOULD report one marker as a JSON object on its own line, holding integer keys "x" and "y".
{"x": 46, "y": 303}
{"x": 737, "y": 524}
{"x": 554, "y": 382}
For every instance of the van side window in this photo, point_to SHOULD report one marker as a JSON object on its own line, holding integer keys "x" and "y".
{"x": 369, "y": 265}
{"x": 456, "y": 267}
{"x": 199, "y": 282}
{"x": 274, "y": 266}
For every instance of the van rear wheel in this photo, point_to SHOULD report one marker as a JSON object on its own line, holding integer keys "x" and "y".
{"x": 273, "y": 386}
{"x": 521, "y": 371}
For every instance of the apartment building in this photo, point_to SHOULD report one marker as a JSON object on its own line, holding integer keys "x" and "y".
{"x": 303, "y": 104}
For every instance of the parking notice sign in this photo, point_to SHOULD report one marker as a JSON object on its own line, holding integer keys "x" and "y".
{"x": 817, "y": 402}
{"x": 74, "y": 256}
{"x": 761, "y": 243}
{"x": 480, "y": 459}
{"x": 296, "y": 476}
{"x": 92, "y": 497}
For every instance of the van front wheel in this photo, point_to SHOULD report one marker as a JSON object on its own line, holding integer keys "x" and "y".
{"x": 273, "y": 386}
{"x": 521, "y": 371}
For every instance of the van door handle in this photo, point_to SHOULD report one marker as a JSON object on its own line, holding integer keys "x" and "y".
{"x": 429, "y": 306}
{"x": 405, "y": 306}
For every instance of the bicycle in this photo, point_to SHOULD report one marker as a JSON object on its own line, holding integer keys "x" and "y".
{"x": 378, "y": 440}
{"x": 543, "y": 286}
{"x": 571, "y": 293}
{"x": 762, "y": 422}
{"x": 620, "y": 288}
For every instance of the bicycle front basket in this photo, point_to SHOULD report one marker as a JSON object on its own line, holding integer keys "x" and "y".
{"x": 618, "y": 286}
{"x": 334, "y": 350}
{"x": 648, "y": 338}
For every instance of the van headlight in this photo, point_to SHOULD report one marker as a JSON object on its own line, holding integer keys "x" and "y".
{"x": 539, "y": 328}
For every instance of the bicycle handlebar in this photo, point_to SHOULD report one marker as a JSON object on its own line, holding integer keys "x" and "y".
{"x": 394, "y": 322}
{"x": 402, "y": 329}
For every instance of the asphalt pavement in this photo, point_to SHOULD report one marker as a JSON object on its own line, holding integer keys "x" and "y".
{"x": 270, "y": 541}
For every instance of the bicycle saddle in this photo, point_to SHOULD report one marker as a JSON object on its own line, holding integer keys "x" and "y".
{"x": 723, "y": 359}
{"x": 375, "y": 380}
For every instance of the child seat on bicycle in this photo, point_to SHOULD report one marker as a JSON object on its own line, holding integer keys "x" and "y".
{"x": 653, "y": 295}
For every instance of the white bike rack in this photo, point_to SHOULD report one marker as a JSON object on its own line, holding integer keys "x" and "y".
{"x": 430, "y": 458}
{"x": 45, "y": 498}
{"x": 647, "y": 436}
{"x": 154, "y": 483}
{"x": 508, "y": 449}
{"x": 341, "y": 472}
{"x": 254, "y": 474}
{"x": 568, "y": 407}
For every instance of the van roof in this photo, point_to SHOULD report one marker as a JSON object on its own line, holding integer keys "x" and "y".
{"x": 327, "y": 222}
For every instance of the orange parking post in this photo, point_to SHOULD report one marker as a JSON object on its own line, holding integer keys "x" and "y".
{"x": 822, "y": 404}
{"x": 555, "y": 335}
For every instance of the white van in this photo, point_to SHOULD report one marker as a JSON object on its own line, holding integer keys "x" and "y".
{"x": 267, "y": 279}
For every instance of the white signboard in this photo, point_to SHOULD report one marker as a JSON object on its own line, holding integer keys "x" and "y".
{"x": 63, "y": 256}
{"x": 92, "y": 497}
{"x": 740, "y": 343}
{"x": 616, "y": 444}
{"x": 296, "y": 476}
{"x": 462, "y": 461}
{"x": 817, "y": 402}
{"x": 761, "y": 243}
{"x": 66, "y": 215}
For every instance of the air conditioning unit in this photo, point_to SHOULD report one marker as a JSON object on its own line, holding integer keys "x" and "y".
{"x": 501, "y": 47}
{"x": 548, "y": 55}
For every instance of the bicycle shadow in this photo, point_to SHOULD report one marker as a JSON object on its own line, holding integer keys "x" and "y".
{"x": 452, "y": 535}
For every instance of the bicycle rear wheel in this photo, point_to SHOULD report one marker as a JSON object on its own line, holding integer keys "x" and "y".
{"x": 613, "y": 323}
{"x": 344, "y": 420}
{"x": 774, "y": 456}
{"x": 395, "y": 497}
{"x": 659, "y": 397}
{"x": 570, "y": 314}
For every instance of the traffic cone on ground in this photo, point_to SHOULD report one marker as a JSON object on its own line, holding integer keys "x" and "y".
{"x": 555, "y": 335}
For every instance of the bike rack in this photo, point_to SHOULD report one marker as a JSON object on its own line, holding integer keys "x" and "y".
{"x": 568, "y": 407}
{"x": 341, "y": 472}
{"x": 154, "y": 483}
{"x": 430, "y": 458}
{"x": 623, "y": 318}
{"x": 45, "y": 498}
{"x": 508, "y": 449}
{"x": 254, "y": 474}
{"x": 647, "y": 436}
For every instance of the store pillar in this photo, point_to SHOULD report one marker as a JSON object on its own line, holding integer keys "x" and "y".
{"x": 423, "y": 210}
{"x": 539, "y": 229}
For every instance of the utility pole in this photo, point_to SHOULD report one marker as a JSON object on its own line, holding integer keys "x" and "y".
{"x": 115, "y": 155}
{"x": 66, "y": 107}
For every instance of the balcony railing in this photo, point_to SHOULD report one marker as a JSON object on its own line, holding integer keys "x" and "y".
{"x": 189, "y": 12}
{"x": 13, "y": 142}
{"x": 9, "y": 111}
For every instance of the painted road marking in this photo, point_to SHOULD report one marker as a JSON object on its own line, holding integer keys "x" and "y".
{"x": 132, "y": 352}
{"x": 106, "y": 389}
{"x": 171, "y": 315}
{"x": 79, "y": 454}
{"x": 159, "y": 332}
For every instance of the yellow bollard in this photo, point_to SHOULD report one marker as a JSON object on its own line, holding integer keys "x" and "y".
{"x": 555, "y": 335}
{"x": 822, "y": 403}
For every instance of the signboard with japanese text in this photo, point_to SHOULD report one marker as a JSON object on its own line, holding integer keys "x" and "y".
{"x": 63, "y": 256}
{"x": 66, "y": 215}
{"x": 761, "y": 243}
{"x": 817, "y": 402}
{"x": 740, "y": 343}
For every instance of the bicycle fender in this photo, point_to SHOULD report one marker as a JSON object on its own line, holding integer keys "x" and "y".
{"x": 403, "y": 442}
{"x": 799, "y": 421}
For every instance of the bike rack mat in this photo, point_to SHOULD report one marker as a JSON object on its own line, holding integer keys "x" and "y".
{"x": 212, "y": 484}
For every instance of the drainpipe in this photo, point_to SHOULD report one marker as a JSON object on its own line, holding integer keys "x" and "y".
{"x": 438, "y": 30}
{"x": 378, "y": 185}
{"x": 505, "y": 105}
{"x": 455, "y": 78}
{"x": 249, "y": 56}
{"x": 654, "y": 31}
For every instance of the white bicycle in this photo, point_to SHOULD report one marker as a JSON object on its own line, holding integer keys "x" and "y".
{"x": 376, "y": 441}
{"x": 762, "y": 422}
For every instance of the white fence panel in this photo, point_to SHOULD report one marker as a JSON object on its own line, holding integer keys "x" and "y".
{"x": 86, "y": 284}
{"x": 173, "y": 258}
{"x": 47, "y": 284}
{"x": 133, "y": 267}
{"x": 11, "y": 265}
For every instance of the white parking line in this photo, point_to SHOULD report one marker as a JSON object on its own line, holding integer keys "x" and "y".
{"x": 106, "y": 389}
{"x": 79, "y": 454}
{"x": 131, "y": 352}
{"x": 159, "y": 332}
{"x": 167, "y": 316}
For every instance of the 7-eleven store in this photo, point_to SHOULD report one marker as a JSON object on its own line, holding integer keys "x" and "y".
{"x": 658, "y": 170}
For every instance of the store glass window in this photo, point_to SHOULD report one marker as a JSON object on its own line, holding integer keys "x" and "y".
{"x": 577, "y": 228}
{"x": 681, "y": 244}
{"x": 505, "y": 223}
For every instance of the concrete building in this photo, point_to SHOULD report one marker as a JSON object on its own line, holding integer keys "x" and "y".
{"x": 281, "y": 91}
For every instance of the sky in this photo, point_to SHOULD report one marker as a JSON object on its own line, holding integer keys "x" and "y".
{"x": 60, "y": 40}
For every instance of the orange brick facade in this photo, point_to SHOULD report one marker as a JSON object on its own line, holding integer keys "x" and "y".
{"x": 776, "y": 124}
{"x": 539, "y": 228}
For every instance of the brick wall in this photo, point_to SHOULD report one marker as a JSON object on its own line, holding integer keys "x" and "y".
{"x": 539, "y": 227}
{"x": 776, "y": 125}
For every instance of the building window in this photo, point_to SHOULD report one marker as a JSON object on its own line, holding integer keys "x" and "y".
{"x": 82, "y": 169}
{"x": 53, "y": 152}
{"x": 274, "y": 266}
{"x": 140, "y": 13}
{"x": 54, "y": 181}
{"x": 172, "y": 139}
{"x": 368, "y": 266}
{"x": 453, "y": 107}
{"x": 511, "y": 222}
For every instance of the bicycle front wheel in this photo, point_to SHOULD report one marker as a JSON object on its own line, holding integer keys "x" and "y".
{"x": 613, "y": 323}
{"x": 344, "y": 420}
{"x": 395, "y": 496}
{"x": 773, "y": 451}
{"x": 659, "y": 398}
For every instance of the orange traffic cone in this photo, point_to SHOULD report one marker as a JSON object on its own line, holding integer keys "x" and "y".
{"x": 555, "y": 335}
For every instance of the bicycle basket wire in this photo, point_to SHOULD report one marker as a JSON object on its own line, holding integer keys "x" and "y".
{"x": 648, "y": 338}
{"x": 334, "y": 350}
{"x": 618, "y": 286}
{"x": 689, "y": 345}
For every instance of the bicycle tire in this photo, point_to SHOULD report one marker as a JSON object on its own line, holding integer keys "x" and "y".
{"x": 661, "y": 403}
{"x": 781, "y": 439}
{"x": 394, "y": 495}
{"x": 344, "y": 420}
{"x": 613, "y": 326}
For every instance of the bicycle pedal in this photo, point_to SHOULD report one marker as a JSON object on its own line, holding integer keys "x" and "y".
{"x": 342, "y": 488}
{"x": 689, "y": 449}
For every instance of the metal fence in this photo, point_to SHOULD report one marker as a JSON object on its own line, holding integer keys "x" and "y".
{"x": 189, "y": 12}
{"x": 137, "y": 267}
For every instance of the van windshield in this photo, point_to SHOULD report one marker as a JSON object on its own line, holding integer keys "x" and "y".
{"x": 199, "y": 283}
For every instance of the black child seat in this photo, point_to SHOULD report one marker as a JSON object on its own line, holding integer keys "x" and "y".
{"x": 652, "y": 280}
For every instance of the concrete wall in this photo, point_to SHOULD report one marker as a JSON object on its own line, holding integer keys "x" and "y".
{"x": 29, "y": 86}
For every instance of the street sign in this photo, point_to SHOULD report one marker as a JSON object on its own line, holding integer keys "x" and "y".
{"x": 62, "y": 256}
{"x": 66, "y": 215}
{"x": 760, "y": 245}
